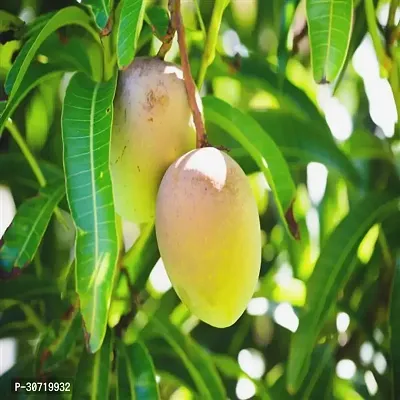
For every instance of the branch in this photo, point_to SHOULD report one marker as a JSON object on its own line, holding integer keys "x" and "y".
{"x": 169, "y": 36}
{"x": 176, "y": 19}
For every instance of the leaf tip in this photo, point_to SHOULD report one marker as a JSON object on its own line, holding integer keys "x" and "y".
{"x": 323, "y": 81}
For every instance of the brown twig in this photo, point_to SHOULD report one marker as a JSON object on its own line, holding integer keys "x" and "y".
{"x": 169, "y": 36}
{"x": 176, "y": 18}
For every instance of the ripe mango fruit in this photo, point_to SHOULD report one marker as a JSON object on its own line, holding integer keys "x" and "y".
{"x": 208, "y": 234}
{"x": 152, "y": 127}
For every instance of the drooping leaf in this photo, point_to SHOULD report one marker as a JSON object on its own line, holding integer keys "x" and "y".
{"x": 77, "y": 53}
{"x": 329, "y": 24}
{"x": 92, "y": 379}
{"x": 158, "y": 19}
{"x": 360, "y": 29}
{"x": 130, "y": 24}
{"x": 301, "y": 141}
{"x": 197, "y": 361}
{"x": 332, "y": 270}
{"x": 36, "y": 74}
{"x": 86, "y": 126}
{"x": 136, "y": 377}
{"x": 59, "y": 350}
{"x": 257, "y": 72}
{"x": 22, "y": 238}
{"x": 66, "y": 16}
{"x": 245, "y": 130}
{"x": 394, "y": 328}
{"x": 101, "y": 10}
{"x": 319, "y": 380}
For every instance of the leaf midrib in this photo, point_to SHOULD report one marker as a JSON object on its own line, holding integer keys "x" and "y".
{"x": 95, "y": 217}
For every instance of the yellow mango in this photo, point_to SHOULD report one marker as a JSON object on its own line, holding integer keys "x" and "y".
{"x": 152, "y": 127}
{"x": 208, "y": 233}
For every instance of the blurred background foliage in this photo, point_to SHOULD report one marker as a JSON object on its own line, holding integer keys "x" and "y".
{"x": 341, "y": 142}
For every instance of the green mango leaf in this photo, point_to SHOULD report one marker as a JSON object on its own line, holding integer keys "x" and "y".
{"x": 301, "y": 141}
{"x": 136, "y": 377}
{"x": 258, "y": 73}
{"x": 319, "y": 380}
{"x": 329, "y": 26}
{"x": 158, "y": 19}
{"x": 394, "y": 328}
{"x": 245, "y": 130}
{"x": 197, "y": 361}
{"x": 22, "y": 238}
{"x": 142, "y": 257}
{"x": 93, "y": 374}
{"x": 360, "y": 29}
{"x": 101, "y": 10}
{"x": 129, "y": 27}
{"x": 34, "y": 76}
{"x": 77, "y": 53}
{"x": 66, "y": 16}
{"x": 86, "y": 125}
{"x": 332, "y": 270}
{"x": 60, "y": 349}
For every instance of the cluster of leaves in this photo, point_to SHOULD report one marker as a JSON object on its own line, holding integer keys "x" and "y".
{"x": 72, "y": 271}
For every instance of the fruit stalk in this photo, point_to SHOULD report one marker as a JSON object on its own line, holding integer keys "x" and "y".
{"x": 176, "y": 19}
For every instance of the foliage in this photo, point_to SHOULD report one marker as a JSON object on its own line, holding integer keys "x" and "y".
{"x": 305, "y": 95}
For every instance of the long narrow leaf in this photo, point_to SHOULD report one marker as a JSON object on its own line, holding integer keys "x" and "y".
{"x": 101, "y": 10}
{"x": 93, "y": 375}
{"x": 329, "y": 23}
{"x": 22, "y": 238}
{"x": 35, "y": 75}
{"x": 130, "y": 24}
{"x": 86, "y": 123}
{"x": 195, "y": 358}
{"x": 261, "y": 147}
{"x": 66, "y": 16}
{"x": 302, "y": 141}
{"x": 136, "y": 378}
{"x": 332, "y": 270}
{"x": 59, "y": 350}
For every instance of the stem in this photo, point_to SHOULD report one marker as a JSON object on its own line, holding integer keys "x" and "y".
{"x": 167, "y": 39}
{"x": 176, "y": 19}
{"x": 12, "y": 128}
{"x": 15, "y": 133}
{"x": 212, "y": 38}
{"x": 394, "y": 4}
{"x": 201, "y": 22}
{"x": 384, "y": 60}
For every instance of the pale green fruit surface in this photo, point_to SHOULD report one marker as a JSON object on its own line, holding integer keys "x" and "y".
{"x": 152, "y": 127}
{"x": 208, "y": 233}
